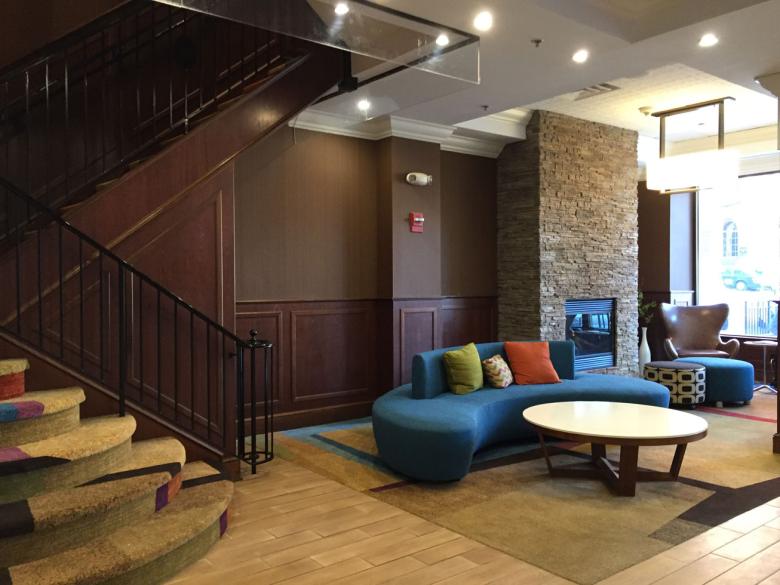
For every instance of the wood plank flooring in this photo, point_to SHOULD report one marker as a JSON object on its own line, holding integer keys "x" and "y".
{"x": 290, "y": 526}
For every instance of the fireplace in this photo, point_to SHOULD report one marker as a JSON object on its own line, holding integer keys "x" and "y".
{"x": 590, "y": 324}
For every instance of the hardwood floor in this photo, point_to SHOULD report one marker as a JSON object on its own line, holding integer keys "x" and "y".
{"x": 291, "y": 526}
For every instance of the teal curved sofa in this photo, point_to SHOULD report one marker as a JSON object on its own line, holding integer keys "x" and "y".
{"x": 426, "y": 432}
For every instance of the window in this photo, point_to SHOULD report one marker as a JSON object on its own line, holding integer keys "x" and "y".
{"x": 739, "y": 253}
{"x": 730, "y": 239}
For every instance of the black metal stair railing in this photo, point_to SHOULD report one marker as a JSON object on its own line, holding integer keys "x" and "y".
{"x": 122, "y": 329}
{"x": 75, "y": 114}
{"x": 80, "y": 111}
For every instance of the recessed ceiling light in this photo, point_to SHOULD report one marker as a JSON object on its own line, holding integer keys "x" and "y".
{"x": 708, "y": 40}
{"x": 364, "y": 105}
{"x": 483, "y": 21}
{"x": 341, "y": 8}
{"x": 580, "y": 56}
{"x": 442, "y": 40}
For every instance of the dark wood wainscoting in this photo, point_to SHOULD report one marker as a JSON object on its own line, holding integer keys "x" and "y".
{"x": 333, "y": 358}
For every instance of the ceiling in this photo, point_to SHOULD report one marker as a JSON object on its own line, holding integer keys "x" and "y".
{"x": 664, "y": 88}
{"x": 634, "y": 20}
{"x": 648, "y": 46}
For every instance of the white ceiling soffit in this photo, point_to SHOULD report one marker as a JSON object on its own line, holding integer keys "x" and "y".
{"x": 450, "y": 138}
{"x": 666, "y": 87}
{"x": 509, "y": 124}
{"x": 635, "y": 20}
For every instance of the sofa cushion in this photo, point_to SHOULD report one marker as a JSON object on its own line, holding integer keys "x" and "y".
{"x": 497, "y": 372}
{"x": 530, "y": 362}
{"x": 464, "y": 369}
{"x": 429, "y": 378}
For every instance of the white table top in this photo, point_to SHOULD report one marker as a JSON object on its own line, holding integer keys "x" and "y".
{"x": 615, "y": 420}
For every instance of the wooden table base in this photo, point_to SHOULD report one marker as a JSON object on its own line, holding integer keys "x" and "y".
{"x": 622, "y": 481}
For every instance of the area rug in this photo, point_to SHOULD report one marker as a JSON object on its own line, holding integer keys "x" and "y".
{"x": 571, "y": 527}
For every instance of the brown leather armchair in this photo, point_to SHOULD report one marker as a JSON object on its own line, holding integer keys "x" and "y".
{"x": 695, "y": 331}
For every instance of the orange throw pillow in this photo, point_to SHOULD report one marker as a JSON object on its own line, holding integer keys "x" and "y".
{"x": 530, "y": 362}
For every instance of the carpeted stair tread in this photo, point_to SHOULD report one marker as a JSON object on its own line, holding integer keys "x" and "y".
{"x": 198, "y": 471}
{"x": 13, "y": 366}
{"x": 149, "y": 453}
{"x": 146, "y": 552}
{"x": 97, "y": 446}
{"x": 56, "y": 521}
{"x": 37, "y": 415}
{"x": 52, "y": 401}
{"x": 12, "y": 377}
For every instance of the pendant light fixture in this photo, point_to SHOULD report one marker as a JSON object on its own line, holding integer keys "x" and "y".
{"x": 698, "y": 170}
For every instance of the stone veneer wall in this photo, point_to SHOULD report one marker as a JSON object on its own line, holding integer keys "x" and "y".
{"x": 567, "y": 228}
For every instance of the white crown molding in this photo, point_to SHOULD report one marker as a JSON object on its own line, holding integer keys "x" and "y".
{"x": 448, "y": 137}
{"x": 474, "y": 146}
{"x": 509, "y": 124}
{"x": 328, "y": 123}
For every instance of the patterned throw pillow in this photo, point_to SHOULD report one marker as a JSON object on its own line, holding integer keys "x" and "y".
{"x": 497, "y": 372}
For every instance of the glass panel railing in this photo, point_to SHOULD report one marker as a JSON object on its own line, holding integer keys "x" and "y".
{"x": 385, "y": 39}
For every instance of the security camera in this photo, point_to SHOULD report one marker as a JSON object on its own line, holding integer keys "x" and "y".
{"x": 419, "y": 179}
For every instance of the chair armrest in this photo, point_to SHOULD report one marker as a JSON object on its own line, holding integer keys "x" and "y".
{"x": 671, "y": 351}
{"x": 731, "y": 347}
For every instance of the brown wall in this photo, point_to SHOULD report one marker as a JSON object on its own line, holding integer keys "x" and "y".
{"x": 468, "y": 225}
{"x": 320, "y": 217}
{"x": 417, "y": 258}
{"x": 328, "y": 270}
{"x": 31, "y": 24}
{"x": 306, "y": 227}
{"x": 654, "y": 226}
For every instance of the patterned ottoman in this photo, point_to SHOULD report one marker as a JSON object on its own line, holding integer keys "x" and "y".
{"x": 685, "y": 381}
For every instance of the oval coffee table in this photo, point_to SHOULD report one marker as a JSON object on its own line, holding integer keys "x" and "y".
{"x": 615, "y": 423}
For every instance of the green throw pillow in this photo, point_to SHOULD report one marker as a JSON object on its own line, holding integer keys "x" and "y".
{"x": 464, "y": 369}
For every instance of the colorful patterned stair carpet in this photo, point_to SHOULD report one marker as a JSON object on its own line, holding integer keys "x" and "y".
{"x": 80, "y": 503}
{"x": 38, "y": 415}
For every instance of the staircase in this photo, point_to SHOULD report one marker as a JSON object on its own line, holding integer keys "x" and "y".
{"x": 138, "y": 104}
{"x": 111, "y": 121}
{"x": 82, "y": 111}
{"x": 81, "y": 503}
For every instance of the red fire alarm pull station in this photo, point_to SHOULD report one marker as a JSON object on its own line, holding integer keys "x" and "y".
{"x": 416, "y": 222}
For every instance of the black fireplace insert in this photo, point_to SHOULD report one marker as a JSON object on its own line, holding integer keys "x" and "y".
{"x": 590, "y": 324}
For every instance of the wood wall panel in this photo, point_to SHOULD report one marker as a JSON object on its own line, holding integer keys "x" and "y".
{"x": 333, "y": 358}
{"x": 419, "y": 333}
{"x": 463, "y": 321}
{"x": 332, "y": 354}
{"x": 189, "y": 246}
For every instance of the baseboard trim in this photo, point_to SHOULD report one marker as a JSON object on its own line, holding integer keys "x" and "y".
{"x": 316, "y": 416}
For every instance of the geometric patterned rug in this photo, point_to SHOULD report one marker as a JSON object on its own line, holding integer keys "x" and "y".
{"x": 572, "y": 527}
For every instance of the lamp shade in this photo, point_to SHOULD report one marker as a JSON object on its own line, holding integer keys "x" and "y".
{"x": 697, "y": 170}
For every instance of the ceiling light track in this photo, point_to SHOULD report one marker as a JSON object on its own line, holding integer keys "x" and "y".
{"x": 695, "y": 171}
{"x": 664, "y": 114}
